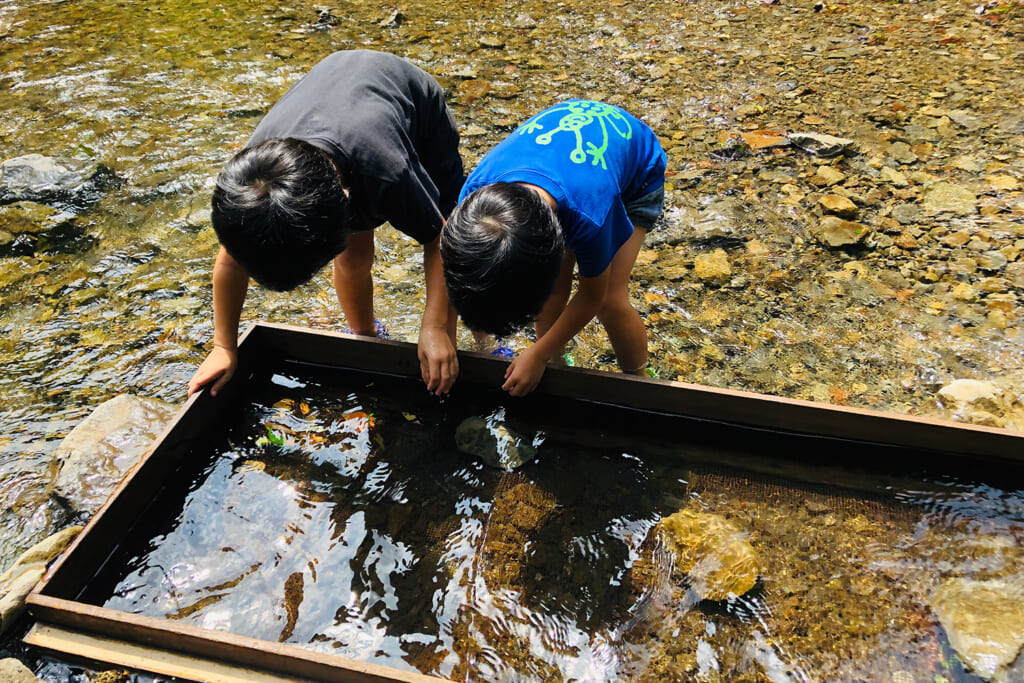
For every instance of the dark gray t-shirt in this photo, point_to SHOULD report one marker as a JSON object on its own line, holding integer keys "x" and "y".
{"x": 385, "y": 124}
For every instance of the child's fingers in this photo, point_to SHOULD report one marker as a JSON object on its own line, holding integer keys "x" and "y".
{"x": 448, "y": 374}
{"x": 215, "y": 389}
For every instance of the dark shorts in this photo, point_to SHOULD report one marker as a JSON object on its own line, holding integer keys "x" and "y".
{"x": 645, "y": 211}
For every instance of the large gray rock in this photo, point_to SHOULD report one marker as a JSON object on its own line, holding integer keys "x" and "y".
{"x": 36, "y": 174}
{"x": 984, "y": 620}
{"x": 495, "y": 443}
{"x": 101, "y": 449}
{"x": 19, "y": 580}
{"x": 39, "y": 178}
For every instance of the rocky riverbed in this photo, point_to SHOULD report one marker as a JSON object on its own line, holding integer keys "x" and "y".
{"x": 845, "y": 205}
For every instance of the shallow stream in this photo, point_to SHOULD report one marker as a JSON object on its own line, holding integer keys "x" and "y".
{"x": 110, "y": 290}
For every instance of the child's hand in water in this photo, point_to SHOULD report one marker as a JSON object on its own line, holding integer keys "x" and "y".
{"x": 524, "y": 373}
{"x": 218, "y": 368}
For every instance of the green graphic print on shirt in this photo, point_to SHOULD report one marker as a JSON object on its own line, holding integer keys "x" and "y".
{"x": 578, "y": 117}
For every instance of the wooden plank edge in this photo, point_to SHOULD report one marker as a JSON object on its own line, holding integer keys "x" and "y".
{"x": 714, "y": 404}
{"x": 108, "y": 651}
{"x": 220, "y": 646}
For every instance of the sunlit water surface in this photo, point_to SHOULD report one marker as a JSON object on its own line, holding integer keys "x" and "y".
{"x": 161, "y": 95}
{"x": 341, "y": 517}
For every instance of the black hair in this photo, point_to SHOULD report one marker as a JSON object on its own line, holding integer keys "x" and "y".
{"x": 502, "y": 249}
{"x": 281, "y": 211}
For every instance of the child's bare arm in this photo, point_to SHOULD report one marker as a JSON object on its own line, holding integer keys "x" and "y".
{"x": 524, "y": 373}
{"x": 230, "y": 284}
{"x": 439, "y": 364}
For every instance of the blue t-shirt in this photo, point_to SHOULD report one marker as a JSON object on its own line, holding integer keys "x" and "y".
{"x": 591, "y": 158}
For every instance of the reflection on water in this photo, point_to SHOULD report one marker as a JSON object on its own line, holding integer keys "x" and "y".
{"x": 349, "y": 523}
{"x": 159, "y": 95}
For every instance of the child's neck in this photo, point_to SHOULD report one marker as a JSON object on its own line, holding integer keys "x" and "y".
{"x": 543, "y": 195}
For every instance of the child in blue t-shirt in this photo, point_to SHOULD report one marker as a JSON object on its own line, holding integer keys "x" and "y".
{"x": 578, "y": 184}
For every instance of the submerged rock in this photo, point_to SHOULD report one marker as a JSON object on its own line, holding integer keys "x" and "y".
{"x": 835, "y": 232}
{"x": 722, "y": 218}
{"x": 711, "y": 552}
{"x": 950, "y": 198}
{"x": 839, "y": 206}
{"x": 984, "y": 621}
{"x": 34, "y": 174}
{"x": 713, "y": 267}
{"x": 102, "y": 448}
{"x": 19, "y": 580}
{"x": 819, "y": 144}
{"x": 495, "y": 443}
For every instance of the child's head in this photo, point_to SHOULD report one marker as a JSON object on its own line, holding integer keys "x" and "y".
{"x": 502, "y": 250}
{"x": 280, "y": 210}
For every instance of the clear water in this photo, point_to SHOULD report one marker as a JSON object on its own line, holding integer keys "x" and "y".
{"x": 162, "y": 94}
{"x": 341, "y": 517}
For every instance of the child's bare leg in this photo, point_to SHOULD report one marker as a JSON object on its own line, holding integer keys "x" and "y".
{"x": 621, "y": 321}
{"x": 353, "y": 282}
{"x": 555, "y": 304}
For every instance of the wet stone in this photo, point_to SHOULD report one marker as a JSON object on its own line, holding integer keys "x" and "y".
{"x": 819, "y": 144}
{"x": 524, "y": 20}
{"x": 1015, "y": 273}
{"x": 950, "y": 198}
{"x": 13, "y": 671}
{"x": 34, "y": 174}
{"x": 29, "y": 218}
{"x": 956, "y": 239}
{"x": 906, "y": 241}
{"x": 893, "y": 177}
{"x": 972, "y": 392}
{"x": 992, "y": 261}
{"x": 984, "y": 620}
{"x": 18, "y": 580}
{"x": 713, "y": 267}
{"x": 102, "y": 448}
{"x": 711, "y": 552}
{"x": 491, "y": 41}
{"x": 835, "y": 232}
{"x": 838, "y": 205}
{"x": 901, "y": 152}
{"x": 828, "y": 176}
{"x": 965, "y": 292}
{"x": 721, "y": 219}
{"x": 906, "y": 213}
{"x": 495, "y": 443}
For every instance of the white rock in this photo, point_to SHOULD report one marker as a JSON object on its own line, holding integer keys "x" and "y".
{"x": 970, "y": 392}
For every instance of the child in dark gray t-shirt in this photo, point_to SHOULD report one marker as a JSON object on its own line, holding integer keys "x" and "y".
{"x": 364, "y": 138}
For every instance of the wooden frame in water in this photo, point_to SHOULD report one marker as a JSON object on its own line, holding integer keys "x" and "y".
{"x": 76, "y": 627}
